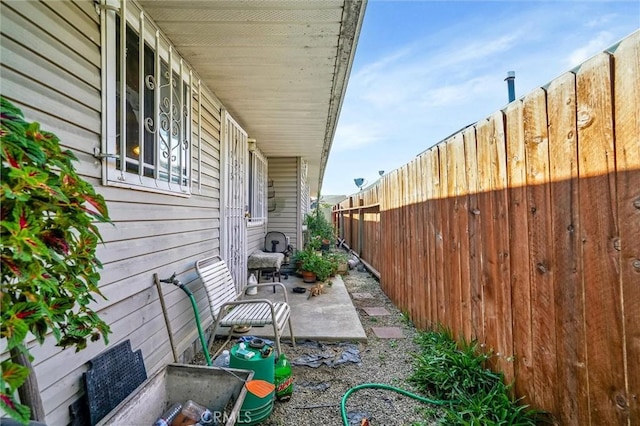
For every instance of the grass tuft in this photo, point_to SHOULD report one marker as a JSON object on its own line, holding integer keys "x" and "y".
{"x": 457, "y": 372}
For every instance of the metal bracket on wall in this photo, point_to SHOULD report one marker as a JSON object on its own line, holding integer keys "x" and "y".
{"x": 102, "y": 155}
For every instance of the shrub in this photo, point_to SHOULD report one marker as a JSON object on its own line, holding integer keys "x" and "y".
{"x": 48, "y": 243}
{"x": 319, "y": 226}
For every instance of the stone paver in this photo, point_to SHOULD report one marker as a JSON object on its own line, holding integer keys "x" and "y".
{"x": 376, "y": 311}
{"x": 388, "y": 332}
{"x": 362, "y": 295}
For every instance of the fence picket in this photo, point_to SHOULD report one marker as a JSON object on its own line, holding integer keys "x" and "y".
{"x": 519, "y": 252}
{"x": 598, "y": 223}
{"x": 541, "y": 263}
{"x": 437, "y": 237}
{"x": 424, "y": 312}
{"x": 489, "y": 259}
{"x": 444, "y": 240}
{"x": 475, "y": 236}
{"x": 627, "y": 116}
{"x": 568, "y": 280}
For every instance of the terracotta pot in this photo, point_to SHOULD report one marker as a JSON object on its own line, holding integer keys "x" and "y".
{"x": 308, "y": 277}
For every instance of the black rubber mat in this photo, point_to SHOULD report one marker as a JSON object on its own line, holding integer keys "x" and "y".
{"x": 111, "y": 377}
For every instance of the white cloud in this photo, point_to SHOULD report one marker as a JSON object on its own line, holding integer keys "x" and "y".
{"x": 408, "y": 76}
{"x": 478, "y": 50}
{"x": 601, "y": 20}
{"x": 453, "y": 94}
{"x": 597, "y": 44}
{"x": 354, "y": 136}
{"x": 371, "y": 71}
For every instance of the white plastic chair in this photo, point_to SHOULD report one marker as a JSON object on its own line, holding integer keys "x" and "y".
{"x": 229, "y": 309}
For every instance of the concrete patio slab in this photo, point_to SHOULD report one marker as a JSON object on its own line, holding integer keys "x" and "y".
{"x": 376, "y": 311}
{"x": 328, "y": 317}
{"x": 388, "y": 332}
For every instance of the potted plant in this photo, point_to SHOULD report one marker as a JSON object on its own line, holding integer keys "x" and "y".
{"x": 339, "y": 262}
{"x": 305, "y": 260}
{"x": 313, "y": 265}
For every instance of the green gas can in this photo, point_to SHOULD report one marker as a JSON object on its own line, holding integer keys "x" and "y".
{"x": 252, "y": 357}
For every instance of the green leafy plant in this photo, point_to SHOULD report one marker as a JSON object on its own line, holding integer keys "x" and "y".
{"x": 318, "y": 226}
{"x": 313, "y": 261}
{"x": 48, "y": 242}
{"x": 457, "y": 372}
{"x": 337, "y": 259}
{"x": 314, "y": 243}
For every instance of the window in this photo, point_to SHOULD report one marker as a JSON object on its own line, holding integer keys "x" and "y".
{"x": 147, "y": 108}
{"x": 257, "y": 187}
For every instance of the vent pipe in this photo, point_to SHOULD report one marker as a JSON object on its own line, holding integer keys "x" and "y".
{"x": 511, "y": 85}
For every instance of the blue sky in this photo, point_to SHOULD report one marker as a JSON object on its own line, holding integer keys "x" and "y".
{"x": 425, "y": 69}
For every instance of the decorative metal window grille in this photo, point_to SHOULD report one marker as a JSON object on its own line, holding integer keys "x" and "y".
{"x": 257, "y": 187}
{"x": 148, "y": 104}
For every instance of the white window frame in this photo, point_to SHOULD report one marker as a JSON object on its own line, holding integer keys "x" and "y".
{"x": 257, "y": 175}
{"x": 171, "y": 167}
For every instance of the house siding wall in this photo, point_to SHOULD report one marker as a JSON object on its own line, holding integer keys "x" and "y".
{"x": 305, "y": 198}
{"x": 255, "y": 238}
{"x": 56, "y": 81}
{"x": 284, "y": 171}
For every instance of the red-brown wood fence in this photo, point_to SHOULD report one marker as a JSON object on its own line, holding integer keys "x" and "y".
{"x": 523, "y": 232}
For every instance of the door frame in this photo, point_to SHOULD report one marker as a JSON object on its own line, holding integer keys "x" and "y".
{"x": 234, "y": 154}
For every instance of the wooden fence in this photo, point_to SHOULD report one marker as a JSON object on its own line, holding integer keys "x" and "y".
{"x": 523, "y": 232}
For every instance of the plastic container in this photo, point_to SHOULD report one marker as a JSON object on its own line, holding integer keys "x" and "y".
{"x": 189, "y": 415}
{"x": 283, "y": 379}
{"x": 223, "y": 360}
{"x": 167, "y": 418}
{"x": 252, "y": 291}
{"x": 193, "y": 413}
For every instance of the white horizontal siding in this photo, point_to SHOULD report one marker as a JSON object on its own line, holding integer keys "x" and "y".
{"x": 255, "y": 238}
{"x": 283, "y": 171}
{"x": 50, "y": 53}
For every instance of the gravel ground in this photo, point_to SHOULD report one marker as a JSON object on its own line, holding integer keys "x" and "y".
{"x": 318, "y": 391}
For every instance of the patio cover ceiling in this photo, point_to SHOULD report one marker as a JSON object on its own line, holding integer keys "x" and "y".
{"x": 279, "y": 67}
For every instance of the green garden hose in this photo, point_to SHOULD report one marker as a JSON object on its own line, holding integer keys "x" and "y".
{"x": 197, "y": 315}
{"x": 343, "y": 403}
{"x": 172, "y": 280}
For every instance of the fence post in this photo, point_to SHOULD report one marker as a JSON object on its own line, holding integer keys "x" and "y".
{"x": 360, "y": 227}
{"x": 351, "y": 222}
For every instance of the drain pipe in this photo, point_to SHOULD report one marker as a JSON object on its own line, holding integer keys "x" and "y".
{"x": 511, "y": 85}
{"x": 368, "y": 266}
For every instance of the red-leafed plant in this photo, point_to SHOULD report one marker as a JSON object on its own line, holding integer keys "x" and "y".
{"x": 48, "y": 240}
